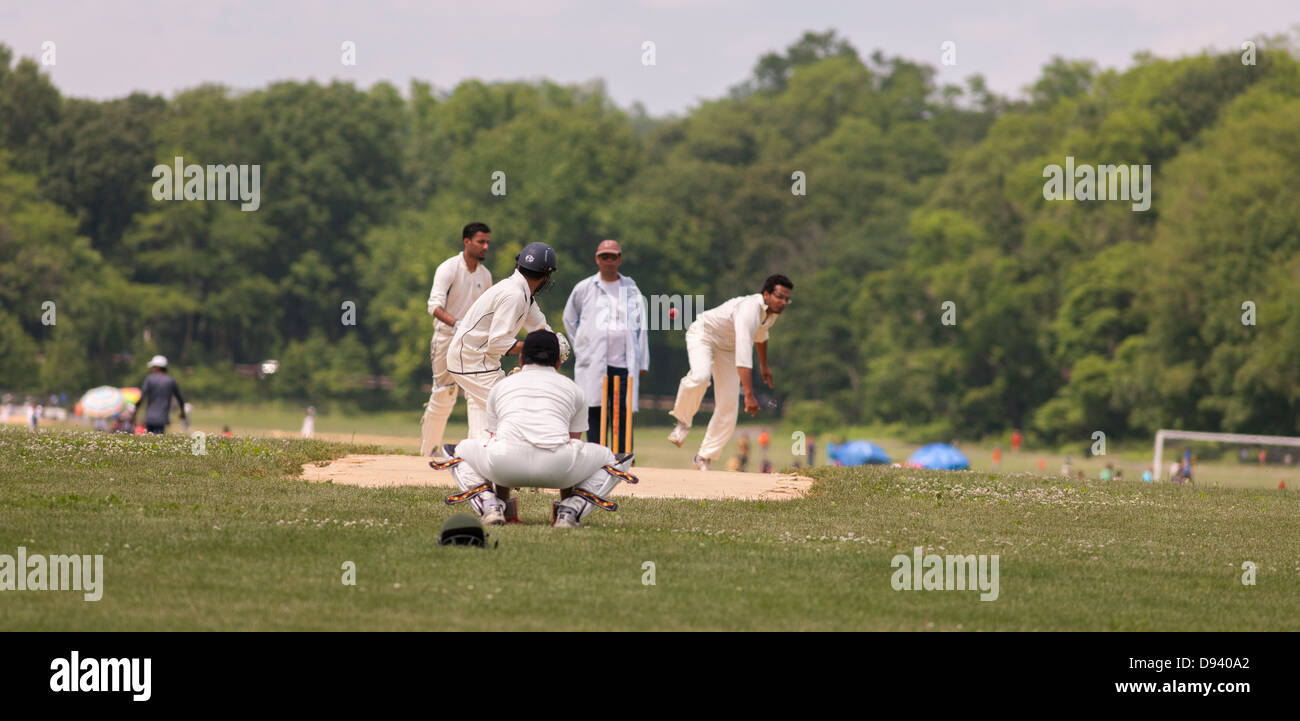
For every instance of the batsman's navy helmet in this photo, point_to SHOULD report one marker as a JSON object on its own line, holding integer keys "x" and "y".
{"x": 462, "y": 529}
{"x": 537, "y": 257}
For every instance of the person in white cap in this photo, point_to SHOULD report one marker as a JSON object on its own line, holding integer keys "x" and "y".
{"x": 458, "y": 282}
{"x": 489, "y": 328}
{"x": 719, "y": 344}
{"x": 156, "y": 392}
{"x": 606, "y": 320}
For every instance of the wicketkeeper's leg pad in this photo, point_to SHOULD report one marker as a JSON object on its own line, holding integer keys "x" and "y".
{"x": 594, "y": 491}
{"x": 476, "y": 489}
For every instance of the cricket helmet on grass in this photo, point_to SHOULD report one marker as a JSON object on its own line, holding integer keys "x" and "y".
{"x": 462, "y": 529}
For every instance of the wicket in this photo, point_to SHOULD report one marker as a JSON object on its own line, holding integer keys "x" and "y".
{"x": 617, "y": 418}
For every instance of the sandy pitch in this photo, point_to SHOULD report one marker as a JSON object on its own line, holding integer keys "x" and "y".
{"x": 378, "y": 471}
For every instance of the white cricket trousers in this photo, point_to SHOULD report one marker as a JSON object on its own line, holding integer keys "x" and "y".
{"x": 443, "y": 397}
{"x": 477, "y": 386}
{"x": 708, "y": 360}
{"x": 515, "y": 464}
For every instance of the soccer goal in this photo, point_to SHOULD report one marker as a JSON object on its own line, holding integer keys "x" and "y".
{"x": 1165, "y": 434}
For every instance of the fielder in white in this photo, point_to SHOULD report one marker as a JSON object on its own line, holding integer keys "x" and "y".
{"x": 718, "y": 344}
{"x": 488, "y": 329}
{"x": 535, "y": 419}
{"x": 458, "y": 282}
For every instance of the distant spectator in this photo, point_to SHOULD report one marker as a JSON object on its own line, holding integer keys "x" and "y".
{"x": 997, "y": 457}
{"x": 309, "y": 423}
{"x": 1119, "y": 474}
{"x": 812, "y": 450}
{"x": 1176, "y": 472}
{"x": 186, "y": 416}
{"x": 1108, "y": 473}
{"x": 157, "y": 392}
{"x": 742, "y": 451}
{"x": 1065, "y": 467}
{"x": 225, "y": 432}
{"x": 1042, "y": 465}
{"x": 1263, "y": 457}
{"x": 1148, "y": 476}
{"x": 122, "y": 423}
{"x": 1016, "y": 439}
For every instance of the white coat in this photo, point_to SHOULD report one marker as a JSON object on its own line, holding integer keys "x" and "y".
{"x": 587, "y": 317}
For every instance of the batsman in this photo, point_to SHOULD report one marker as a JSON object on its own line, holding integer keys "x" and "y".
{"x": 487, "y": 332}
{"x": 534, "y": 421}
{"x": 720, "y": 345}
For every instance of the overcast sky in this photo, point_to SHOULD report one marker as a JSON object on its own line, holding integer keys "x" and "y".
{"x": 703, "y": 47}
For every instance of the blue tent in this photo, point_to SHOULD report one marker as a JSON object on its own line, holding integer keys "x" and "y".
{"x": 939, "y": 456}
{"x": 856, "y": 453}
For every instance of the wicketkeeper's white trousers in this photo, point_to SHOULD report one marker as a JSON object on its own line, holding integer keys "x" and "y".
{"x": 708, "y": 360}
{"x": 443, "y": 397}
{"x": 517, "y": 464}
{"x": 576, "y": 464}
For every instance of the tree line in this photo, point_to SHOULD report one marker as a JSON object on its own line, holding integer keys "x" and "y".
{"x": 887, "y": 197}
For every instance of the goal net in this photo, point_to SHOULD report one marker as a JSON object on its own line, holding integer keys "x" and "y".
{"x": 1163, "y": 435}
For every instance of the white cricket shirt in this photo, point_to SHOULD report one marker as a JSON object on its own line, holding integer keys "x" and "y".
{"x": 538, "y": 406}
{"x": 616, "y": 329}
{"x": 490, "y": 326}
{"x": 455, "y": 288}
{"x": 737, "y": 324}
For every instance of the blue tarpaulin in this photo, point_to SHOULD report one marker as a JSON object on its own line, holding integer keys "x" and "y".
{"x": 856, "y": 453}
{"x": 939, "y": 456}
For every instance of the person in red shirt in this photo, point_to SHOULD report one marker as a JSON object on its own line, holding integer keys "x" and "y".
{"x": 1016, "y": 440}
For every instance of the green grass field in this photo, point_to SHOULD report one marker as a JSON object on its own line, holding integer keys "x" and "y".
{"x": 399, "y": 432}
{"x": 231, "y": 541}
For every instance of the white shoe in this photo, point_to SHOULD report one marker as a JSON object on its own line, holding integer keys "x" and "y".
{"x": 494, "y": 515}
{"x": 678, "y": 436}
{"x": 702, "y": 464}
{"x": 566, "y": 517}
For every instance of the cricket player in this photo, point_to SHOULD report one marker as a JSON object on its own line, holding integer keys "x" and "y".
{"x": 487, "y": 330}
{"x": 718, "y": 344}
{"x": 535, "y": 419}
{"x": 458, "y": 282}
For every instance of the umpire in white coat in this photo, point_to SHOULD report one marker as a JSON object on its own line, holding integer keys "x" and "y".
{"x": 606, "y": 319}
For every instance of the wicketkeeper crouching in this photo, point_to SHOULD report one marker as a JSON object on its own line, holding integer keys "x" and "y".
{"x": 535, "y": 419}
